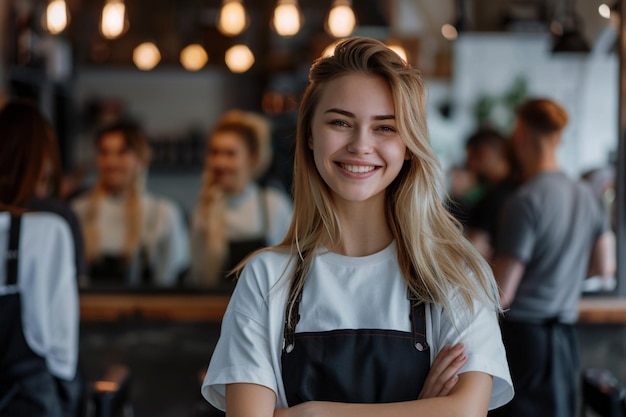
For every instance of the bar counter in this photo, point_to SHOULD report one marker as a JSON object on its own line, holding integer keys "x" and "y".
{"x": 210, "y": 306}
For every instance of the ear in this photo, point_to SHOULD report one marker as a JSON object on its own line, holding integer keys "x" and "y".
{"x": 408, "y": 155}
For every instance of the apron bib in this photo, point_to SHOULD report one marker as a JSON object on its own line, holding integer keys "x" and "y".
{"x": 355, "y": 365}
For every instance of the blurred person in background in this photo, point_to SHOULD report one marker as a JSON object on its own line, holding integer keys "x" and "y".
{"x": 38, "y": 287}
{"x": 236, "y": 213}
{"x": 131, "y": 236}
{"x": 489, "y": 159}
{"x": 553, "y": 234}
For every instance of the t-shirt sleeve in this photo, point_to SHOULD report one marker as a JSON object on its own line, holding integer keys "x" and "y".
{"x": 516, "y": 229}
{"x": 480, "y": 333}
{"x": 243, "y": 351}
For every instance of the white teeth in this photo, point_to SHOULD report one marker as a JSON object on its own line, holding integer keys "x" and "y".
{"x": 357, "y": 168}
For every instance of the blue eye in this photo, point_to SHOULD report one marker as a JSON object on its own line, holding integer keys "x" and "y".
{"x": 339, "y": 123}
{"x": 386, "y": 129}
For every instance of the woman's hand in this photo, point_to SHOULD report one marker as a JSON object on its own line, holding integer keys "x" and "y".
{"x": 442, "y": 376}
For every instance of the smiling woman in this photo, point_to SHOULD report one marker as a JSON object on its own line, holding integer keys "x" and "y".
{"x": 373, "y": 303}
{"x": 131, "y": 237}
{"x": 358, "y": 151}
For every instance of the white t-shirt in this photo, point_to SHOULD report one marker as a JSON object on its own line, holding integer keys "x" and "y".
{"x": 256, "y": 212}
{"x": 163, "y": 234}
{"x": 47, "y": 284}
{"x": 340, "y": 293}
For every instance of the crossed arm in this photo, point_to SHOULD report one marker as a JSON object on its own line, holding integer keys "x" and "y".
{"x": 444, "y": 393}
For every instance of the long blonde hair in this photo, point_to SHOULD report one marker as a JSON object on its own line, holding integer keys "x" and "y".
{"x": 433, "y": 255}
{"x": 137, "y": 143}
{"x": 254, "y": 131}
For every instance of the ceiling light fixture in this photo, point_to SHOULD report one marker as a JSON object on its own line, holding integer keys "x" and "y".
{"x": 113, "y": 21}
{"x": 239, "y": 59}
{"x": 146, "y": 56}
{"x": 193, "y": 57}
{"x": 341, "y": 20}
{"x": 287, "y": 18}
{"x": 232, "y": 18}
{"x": 57, "y": 16}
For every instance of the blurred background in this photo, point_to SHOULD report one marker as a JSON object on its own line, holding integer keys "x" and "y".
{"x": 479, "y": 58}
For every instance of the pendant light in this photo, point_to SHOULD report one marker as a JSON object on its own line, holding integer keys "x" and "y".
{"x": 232, "y": 18}
{"x": 113, "y": 21}
{"x": 341, "y": 20}
{"x": 239, "y": 59}
{"x": 287, "y": 18}
{"x": 57, "y": 16}
{"x": 146, "y": 56}
{"x": 193, "y": 57}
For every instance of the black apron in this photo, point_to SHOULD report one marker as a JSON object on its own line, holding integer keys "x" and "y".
{"x": 238, "y": 250}
{"x": 26, "y": 386}
{"x": 115, "y": 271}
{"x": 355, "y": 365}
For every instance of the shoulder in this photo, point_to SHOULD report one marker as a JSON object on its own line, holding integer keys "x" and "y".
{"x": 56, "y": 207}
{"x": 42, "y": 229}
{"x": 267, "y": 266}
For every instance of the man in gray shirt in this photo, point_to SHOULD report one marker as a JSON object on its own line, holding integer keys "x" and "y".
{"x": 552, "y": 234}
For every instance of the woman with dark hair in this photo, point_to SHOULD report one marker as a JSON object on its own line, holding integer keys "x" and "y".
{"x": 131, "y": 236}
{"x": 23, "y": 120}
{"x": 38, "y": 291}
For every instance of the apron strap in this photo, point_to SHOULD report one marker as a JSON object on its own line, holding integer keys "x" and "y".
{"x": 13, "y": 250}
{"x": 292, "y": 316}
{"x": 418, "y": 321}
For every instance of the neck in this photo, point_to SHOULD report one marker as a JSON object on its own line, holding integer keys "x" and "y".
{"x": 364, "y": 230}
{"x": 545, "y": 162}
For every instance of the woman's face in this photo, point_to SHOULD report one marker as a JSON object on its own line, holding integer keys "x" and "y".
{"x": 117, "y": 163}
{"x": 355, "y": 142}
{"x": 230, "y": 161}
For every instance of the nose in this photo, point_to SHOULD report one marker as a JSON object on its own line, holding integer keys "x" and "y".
{"x": 360, "y": 141}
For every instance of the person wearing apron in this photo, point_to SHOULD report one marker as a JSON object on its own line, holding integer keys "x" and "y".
{"x": 238, "y": 212}
{"x": 39, "y": 315}
{"x": 374, "y": 303}
{"x": 27, "y": 387}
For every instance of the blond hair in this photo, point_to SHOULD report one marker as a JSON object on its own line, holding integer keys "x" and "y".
{"x": 137, "y": 143}
{"x": 433, "y": 255}
{"x": 254, "y": 131}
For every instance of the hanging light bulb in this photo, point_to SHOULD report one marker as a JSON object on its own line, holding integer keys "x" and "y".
{"x": 113, "y": 19}
{"x": 232, "y": 19}
{"x": 146, "y": 56}
{"x": 341, "y": 20}
{"x": 193, "y": 57}
{"x": 239, "y": 58}
{"x": 57, "y": 16}
{"x": 287, "y": 17}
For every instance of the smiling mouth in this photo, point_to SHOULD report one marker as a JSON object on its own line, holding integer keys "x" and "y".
{"x": 358, "y": 169}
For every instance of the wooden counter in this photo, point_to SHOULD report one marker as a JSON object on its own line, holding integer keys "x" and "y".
{"x": 167, "y": 306}
{"x": 602, "y": 310}
{"x": 95, "y": 306}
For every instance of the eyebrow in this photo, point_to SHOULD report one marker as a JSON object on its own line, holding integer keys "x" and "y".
{"x": 350, "y": 114}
